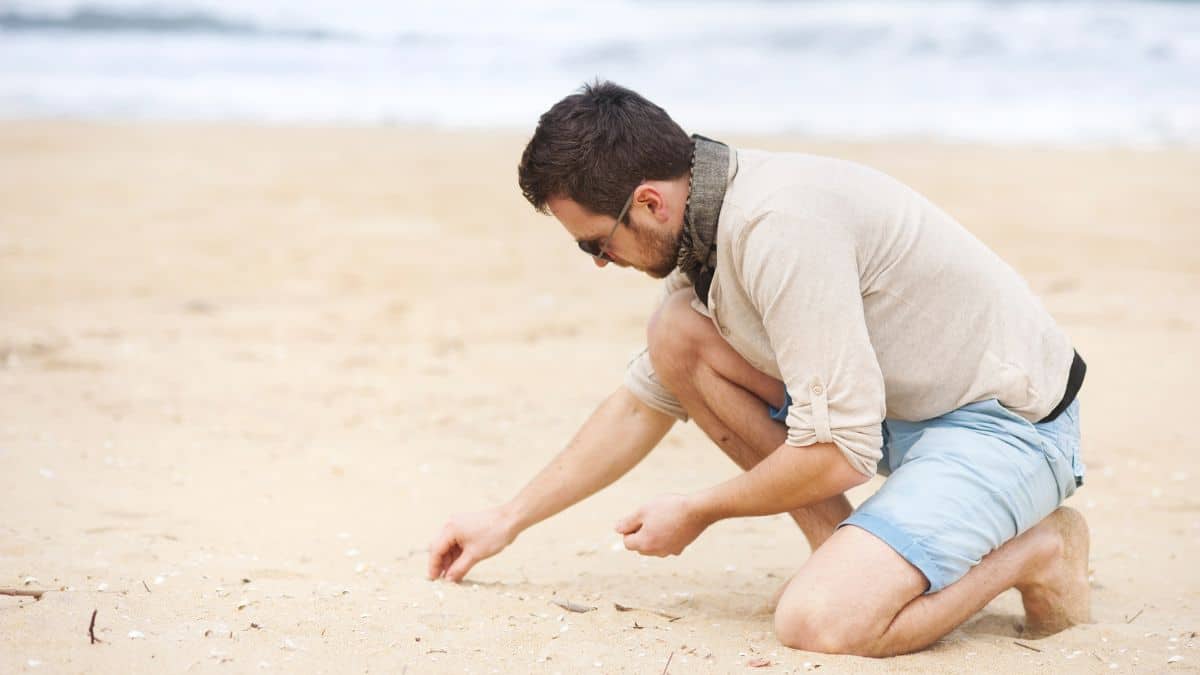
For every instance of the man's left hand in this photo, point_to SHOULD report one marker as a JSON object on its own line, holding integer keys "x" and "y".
{"x": 664, "y": 526}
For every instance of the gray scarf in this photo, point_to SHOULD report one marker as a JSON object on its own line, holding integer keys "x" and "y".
{"x": 706, "y": 192}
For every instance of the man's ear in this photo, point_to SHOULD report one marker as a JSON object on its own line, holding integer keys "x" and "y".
{"x": 650, "y": 197}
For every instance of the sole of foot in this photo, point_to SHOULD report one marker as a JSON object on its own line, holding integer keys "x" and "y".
{"x": 1057, "y": 595}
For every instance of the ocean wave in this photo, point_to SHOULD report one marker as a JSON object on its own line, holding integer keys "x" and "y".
{"x": 1023, "y": 70}
{"x": 102, "y": 19}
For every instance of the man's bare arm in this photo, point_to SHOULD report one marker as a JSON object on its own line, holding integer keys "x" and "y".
{"x": 788, "y": 479}
{"x": 618, "y": 435}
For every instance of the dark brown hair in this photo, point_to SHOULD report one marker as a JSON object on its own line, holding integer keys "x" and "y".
{"x": 594, "y": 147}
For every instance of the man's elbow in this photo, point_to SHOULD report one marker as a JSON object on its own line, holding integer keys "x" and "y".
{"x": 844, "y": 473}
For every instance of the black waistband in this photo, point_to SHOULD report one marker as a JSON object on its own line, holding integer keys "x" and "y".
{"x": 1074, "y": 382}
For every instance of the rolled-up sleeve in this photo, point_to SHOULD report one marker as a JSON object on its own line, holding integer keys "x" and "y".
{"x": 640, "y": 379}
{"x": 801, "y": 273}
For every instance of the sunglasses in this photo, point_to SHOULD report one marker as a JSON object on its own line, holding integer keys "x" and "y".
{"x": 598, "y": 248}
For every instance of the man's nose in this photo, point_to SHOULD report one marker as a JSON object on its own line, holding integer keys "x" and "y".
{"x": 600, "y": 262}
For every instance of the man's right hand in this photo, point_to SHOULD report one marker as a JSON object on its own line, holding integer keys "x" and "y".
{"x": 466, "y": 539}
{"x": 615, "y": 438}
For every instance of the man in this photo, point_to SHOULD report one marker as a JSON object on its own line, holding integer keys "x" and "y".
{"x": 821, "y": 321}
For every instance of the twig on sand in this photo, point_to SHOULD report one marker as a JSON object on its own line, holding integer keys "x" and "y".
{"x": 1029, "y": 647}
{"x": 572, "y": 606}
{"x": 145, "y": 585}
{"x": 669, "y": 617}
{"x": 1136, "y": 615}
{"x": 92, "y": 628}
{"x": 664, "y": 672}
{"x": 34, "y": 593}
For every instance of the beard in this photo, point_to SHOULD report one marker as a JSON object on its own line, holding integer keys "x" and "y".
{"x": 660, "y": 248}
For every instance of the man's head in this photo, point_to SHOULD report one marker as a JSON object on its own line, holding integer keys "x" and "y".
{"x": 596, "y": 151}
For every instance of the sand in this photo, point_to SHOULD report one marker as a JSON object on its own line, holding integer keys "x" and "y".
{"x": 245, "y": 374}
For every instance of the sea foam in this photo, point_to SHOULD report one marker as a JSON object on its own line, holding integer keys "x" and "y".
{"x": 1052, "y": 71}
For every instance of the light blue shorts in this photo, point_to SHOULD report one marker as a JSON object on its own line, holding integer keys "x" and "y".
{"x": 962, "y": 484}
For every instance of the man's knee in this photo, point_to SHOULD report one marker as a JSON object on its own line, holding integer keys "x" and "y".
{"x": 818, "y": 623}
{"x": 677, "y": 335}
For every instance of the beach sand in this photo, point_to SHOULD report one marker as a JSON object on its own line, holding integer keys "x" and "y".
{"x": 246, "y": 373}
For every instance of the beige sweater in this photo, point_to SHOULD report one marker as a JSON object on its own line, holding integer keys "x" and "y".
{"x": 868, "y": 302}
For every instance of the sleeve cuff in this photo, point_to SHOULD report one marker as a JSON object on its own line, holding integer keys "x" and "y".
{"x": 641, "y": 381}
{"x": 862, "y": 447}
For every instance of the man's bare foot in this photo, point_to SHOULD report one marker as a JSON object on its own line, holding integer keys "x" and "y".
{"x": 1056, "y": 593}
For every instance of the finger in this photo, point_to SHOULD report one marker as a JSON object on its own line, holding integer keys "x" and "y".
{"x": 437, "y": 553}
{"x": 629, "y": 524}
{"x": 449, "y": 559}
{"x": 460, "y": 567}
{"x": 635, "y": 542}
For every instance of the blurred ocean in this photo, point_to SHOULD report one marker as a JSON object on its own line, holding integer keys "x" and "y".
{"x": 1058, "y": 71}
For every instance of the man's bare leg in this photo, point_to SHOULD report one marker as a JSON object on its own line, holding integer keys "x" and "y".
{"x": 727, "y": 398}
{"x": 856, "y": 595}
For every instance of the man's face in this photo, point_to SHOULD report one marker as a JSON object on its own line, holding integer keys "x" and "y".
{"x": 648, "y": 241}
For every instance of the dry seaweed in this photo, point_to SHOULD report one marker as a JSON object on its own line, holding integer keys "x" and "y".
{"x": 623, "y": 608}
